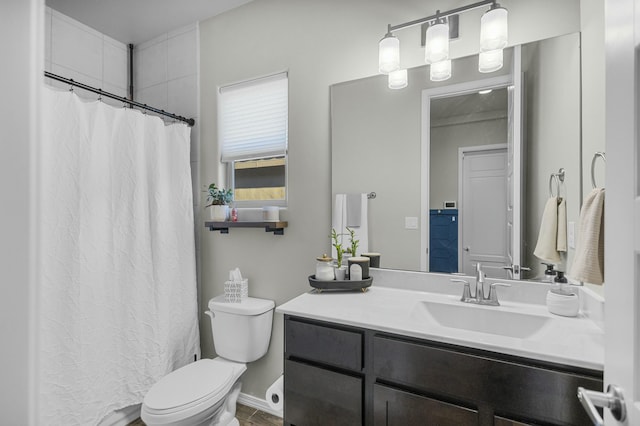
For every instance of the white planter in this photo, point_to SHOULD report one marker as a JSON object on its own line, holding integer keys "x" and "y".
{"x": 219, "y": 213}
{"x": 341, "y": 273}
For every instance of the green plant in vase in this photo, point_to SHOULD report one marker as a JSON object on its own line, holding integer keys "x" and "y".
{"x": 338, "y": 246}
{"x": 353, "y": 241}
{"x": 219, "y": 198}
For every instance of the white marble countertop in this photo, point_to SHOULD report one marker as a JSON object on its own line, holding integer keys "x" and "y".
{"x": 575, "y": 341}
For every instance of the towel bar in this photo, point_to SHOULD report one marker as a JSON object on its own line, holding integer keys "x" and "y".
{"x": 593, "y": 165}
{"x": 559, "y": 178}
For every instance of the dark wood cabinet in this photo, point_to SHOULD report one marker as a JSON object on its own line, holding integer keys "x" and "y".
{"x": 501, "y": 421}
{"x": 318, "y": 397}
{"x": 393, "y": 407}
{"x": 324, "y": 381}
{"x": 342, "y": 375}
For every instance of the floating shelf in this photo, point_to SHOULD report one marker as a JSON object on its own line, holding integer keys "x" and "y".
{"x": 276, "y": 227}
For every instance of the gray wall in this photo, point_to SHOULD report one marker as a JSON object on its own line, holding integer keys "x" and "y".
{"x": 445, "y": 141}
{"x": 593, "y": 95}
{"x": 552, "y": 101}
{"x": 320, "y": 44}
{"x": 22, "y": 52}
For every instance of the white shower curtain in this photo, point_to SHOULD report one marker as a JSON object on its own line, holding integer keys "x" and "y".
{"x": 118, "y": 303}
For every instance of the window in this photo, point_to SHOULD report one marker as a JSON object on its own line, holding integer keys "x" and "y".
{"x": 253, "y": 124}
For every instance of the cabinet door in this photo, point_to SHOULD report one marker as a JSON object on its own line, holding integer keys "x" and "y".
{"x": 501, "y": 421}
{"x": 315, "y": 396}
{"x": 538, "y": 393}
{"x": 393, "y": 407}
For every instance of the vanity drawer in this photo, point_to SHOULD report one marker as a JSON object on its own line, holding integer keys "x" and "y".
{"x": 339, "y": 347}
{"x": 393, "y": 407}
{"x": 511, "y": 388}
{"x": 314, "y": 396}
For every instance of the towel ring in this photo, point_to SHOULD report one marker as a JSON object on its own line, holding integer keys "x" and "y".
{"x": 559, "y": 178}
{"x": 593, "y": 165}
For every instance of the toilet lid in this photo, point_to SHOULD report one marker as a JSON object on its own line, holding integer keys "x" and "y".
{"x": 203, "y": 379}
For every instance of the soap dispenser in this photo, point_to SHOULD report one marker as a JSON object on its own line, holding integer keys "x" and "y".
{"x": 560, "y": 299}
{"x": 549, "y": 273}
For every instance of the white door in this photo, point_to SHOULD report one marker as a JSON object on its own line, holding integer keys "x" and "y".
{"x": 483, "y": 226}
{"x": 622, "y": 208}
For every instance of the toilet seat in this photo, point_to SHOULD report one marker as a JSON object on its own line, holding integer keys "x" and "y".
{"x": 191, "y": 390}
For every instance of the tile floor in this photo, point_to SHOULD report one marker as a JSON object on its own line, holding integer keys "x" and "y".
{"x": 246, "y": 415}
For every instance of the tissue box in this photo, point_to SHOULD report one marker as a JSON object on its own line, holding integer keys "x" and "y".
{"x": 235, "y": 291}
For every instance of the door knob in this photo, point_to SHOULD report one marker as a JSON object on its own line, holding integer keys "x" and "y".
{"x": 613, "y": 400}
{"x": 466, "y": 248}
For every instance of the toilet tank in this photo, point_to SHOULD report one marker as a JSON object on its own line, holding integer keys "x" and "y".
{"x": 241, "y": 331}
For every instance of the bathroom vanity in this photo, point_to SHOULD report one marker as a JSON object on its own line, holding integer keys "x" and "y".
{"x": 380, "y": 358}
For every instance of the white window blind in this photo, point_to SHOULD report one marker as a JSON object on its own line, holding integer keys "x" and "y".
{"x": 253, "y": 118}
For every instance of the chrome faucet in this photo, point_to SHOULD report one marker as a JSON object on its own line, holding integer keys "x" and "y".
{"x": 479, "y": 282}
{"x": 479, "y": 297}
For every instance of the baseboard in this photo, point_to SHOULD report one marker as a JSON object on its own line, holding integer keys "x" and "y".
{"x": 122, "y": 417}
{"x": 258, "y": 404}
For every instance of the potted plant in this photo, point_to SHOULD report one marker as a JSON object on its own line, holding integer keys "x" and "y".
{"x": 341, "y": 271}
{"x": 352, "y": 240}
{"x": 219, "y": 199}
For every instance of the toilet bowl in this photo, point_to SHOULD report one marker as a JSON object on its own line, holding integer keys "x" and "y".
{"x": 206, "y": 391}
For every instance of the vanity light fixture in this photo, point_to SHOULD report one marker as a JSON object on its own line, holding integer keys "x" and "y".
{"x": 490, "y": 61}
{"x": 493, "y": 29}
{"x": 440, "y": 71}
{"x": 398, "y": 79}
{"x": 388, "y": 53}
{"x": 436, "y": 47}
{"x": 493, "y": 38}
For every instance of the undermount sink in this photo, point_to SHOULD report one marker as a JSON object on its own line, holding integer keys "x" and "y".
{"x": 482, "y": 319}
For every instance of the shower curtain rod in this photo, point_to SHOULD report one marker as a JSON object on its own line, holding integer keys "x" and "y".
{"x": 189, "y": 121}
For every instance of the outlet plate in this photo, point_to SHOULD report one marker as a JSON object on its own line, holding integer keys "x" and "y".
{"x": 411, "y": 222}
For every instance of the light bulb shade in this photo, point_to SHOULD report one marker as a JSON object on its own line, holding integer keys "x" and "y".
{"x": 398, "y": 79}
{"x": 490, "y": 61}
{"x": 388, "y": 54}
{"x": 493, "y": 29}
{"x": 440, "y": 71}
{"x": 436, "y": 47}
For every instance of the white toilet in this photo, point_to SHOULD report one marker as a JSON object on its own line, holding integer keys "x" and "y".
{"x": 205, "y": 392}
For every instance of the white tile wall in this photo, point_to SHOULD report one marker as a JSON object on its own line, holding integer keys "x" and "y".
{"x": 182, "y": 49}
{"x": 150, "y": 63}
{"x": 181, "y": 95}
{"x": 166, "y": 76}
{"x": 74, "y": 50}
{"x": 115, "y": 63}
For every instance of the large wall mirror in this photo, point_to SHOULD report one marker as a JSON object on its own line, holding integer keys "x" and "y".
{"x": 378, "y": 145}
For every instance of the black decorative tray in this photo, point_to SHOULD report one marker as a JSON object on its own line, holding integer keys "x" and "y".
{"x": 322, "y": 285}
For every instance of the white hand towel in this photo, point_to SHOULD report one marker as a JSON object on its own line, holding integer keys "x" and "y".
{"x": 562, "y": 226}
{"x": 588, "y": 263}
{"x": 339, "y": 223}
{"x": 354, "y": 210}
{"x": 547, "y": 246}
